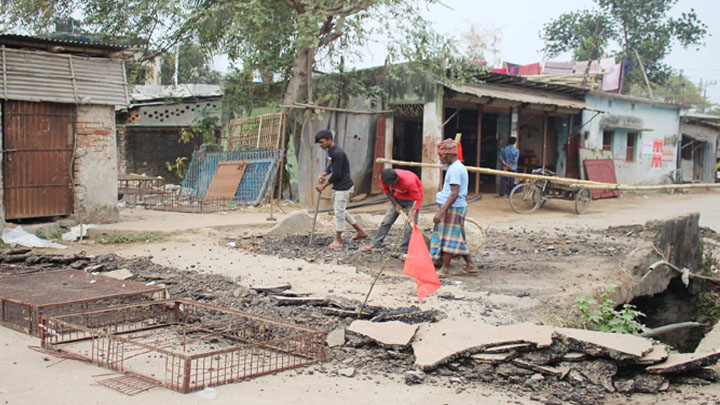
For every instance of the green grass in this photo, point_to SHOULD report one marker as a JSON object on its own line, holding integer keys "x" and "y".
{"x": 145, "y": 237}
{"x": 46, "y": 234}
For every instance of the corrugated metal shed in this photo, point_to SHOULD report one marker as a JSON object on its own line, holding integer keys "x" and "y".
{"x": 62, "y": 78}
{"x": 520, "y": 95}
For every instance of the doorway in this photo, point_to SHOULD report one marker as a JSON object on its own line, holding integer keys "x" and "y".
{"x": 407, "y": 143}
{"x": 38, "y": 143}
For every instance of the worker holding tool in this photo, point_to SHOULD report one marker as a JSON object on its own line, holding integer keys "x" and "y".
{"x": 342, "y": 185}
{"x": 448, "y": 237}
{"x": 405, "y": 192}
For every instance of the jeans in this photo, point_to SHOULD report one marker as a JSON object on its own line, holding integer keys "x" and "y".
{"x": 510, "y": 181}
{"x": 340, "y": 202}
{"x": 390, "y": 217}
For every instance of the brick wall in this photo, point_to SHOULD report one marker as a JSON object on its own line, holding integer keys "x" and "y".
{"x": 95, "y": 166}
{"x": 146, "y": 150}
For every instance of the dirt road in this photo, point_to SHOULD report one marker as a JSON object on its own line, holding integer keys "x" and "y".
{"x": 531, "y": 265}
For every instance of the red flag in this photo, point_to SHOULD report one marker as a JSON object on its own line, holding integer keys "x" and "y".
{"x": 419, "y": 265}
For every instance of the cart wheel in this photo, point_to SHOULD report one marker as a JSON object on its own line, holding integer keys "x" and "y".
{"x": 525, "y": 198}
{"x": 668, "y": 181}
{"x": 583, "y": 198}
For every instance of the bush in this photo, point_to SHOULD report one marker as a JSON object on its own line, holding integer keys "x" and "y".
{"x": 602, "y": 315}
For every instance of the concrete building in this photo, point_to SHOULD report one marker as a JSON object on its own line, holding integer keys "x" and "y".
{"x": 58, "y": 128}
{"x": 643, "y": 135}
{"x": 418, "y": 113}
{"x": 699, "y": 146}
{"x": 149, "y": 129}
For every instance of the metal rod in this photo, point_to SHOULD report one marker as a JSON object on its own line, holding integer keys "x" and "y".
{"x": 74, "y": 83}
{"x": 317, "y": 207}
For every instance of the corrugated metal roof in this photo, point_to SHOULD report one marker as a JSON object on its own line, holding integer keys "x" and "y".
{"x": 190, "y": 90}
{"x": 88, "y": 45}
{"x": 42, "y": 76}
{"x": 521, "y": 95}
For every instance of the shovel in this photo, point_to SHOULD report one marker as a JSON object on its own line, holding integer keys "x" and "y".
{"x": 317, "y": 208}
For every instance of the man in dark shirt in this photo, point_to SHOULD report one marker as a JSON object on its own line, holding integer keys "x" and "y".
{"x": 342, "y": 185}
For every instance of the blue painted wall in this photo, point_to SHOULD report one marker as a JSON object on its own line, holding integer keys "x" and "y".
{"x": 660, "y": 122}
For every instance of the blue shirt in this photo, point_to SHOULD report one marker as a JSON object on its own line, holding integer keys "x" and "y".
{"x": 456, "y": 174}
{"x": 509, "y": 154}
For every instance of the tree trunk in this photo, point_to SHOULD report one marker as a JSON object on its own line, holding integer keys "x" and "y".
{"x": 298, "y": 80}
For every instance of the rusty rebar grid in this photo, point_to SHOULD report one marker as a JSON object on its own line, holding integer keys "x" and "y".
{"x": 193, "y": 344}
{"x": 26, "y": 297}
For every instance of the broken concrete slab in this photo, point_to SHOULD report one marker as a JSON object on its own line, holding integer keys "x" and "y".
{"x": 271, "y": 289}
{"x": 509, "y": 348}
{"x": 656, "y": 355}
{"x": 441, "y": 342}
{"x": 122, "y": 274}
{"x": 393, "y": 333}
{"x": 300, "y": 300}
{"x": 599, "y": 372}
{"x": 574, "y": 356}
{"x": 336, "y": 337}
{"x": 617, "y": 346}
{"x": 677, "y": 363}
{"x": 493, "y": 358}
{"x": 558, "y": 372}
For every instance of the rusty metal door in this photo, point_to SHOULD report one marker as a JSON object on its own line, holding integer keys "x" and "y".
{"x": 37, "y": 159}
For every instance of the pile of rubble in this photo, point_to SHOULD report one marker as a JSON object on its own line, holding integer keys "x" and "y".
{"x": 558, "y": 365}
{"x": 553, "y": 365}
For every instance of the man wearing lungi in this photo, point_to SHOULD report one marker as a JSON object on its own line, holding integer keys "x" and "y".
{"x": 448, "y": 237}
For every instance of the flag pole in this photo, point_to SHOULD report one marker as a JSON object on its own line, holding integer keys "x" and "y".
{"x": 377, "y": 276}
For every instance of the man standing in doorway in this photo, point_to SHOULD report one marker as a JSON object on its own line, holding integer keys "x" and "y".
{"x": 448, "y": 237}
{"x": 342, "y": 185}
{"x": 405, "y": 192}
{"x": 508, "y": 159}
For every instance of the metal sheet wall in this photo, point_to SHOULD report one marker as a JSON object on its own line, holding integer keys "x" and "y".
{"x": 37, "y": 166}
{"x": 62, "y": 78}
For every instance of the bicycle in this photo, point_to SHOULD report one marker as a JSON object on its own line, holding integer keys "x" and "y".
{"x": 529, "y": 196}
{"x": 674, "y": 177}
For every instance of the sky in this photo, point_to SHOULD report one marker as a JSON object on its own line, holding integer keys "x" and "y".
{"x": 521, "y": 21}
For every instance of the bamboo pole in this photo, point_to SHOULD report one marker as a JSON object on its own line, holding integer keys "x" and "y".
{"x": 559, "y": 180}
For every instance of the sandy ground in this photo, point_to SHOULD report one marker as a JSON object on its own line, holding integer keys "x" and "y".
{"x": 497, "y": 296}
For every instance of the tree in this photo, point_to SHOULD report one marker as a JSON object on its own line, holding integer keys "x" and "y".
{"x": 280, "y": 36}
{"x": 677, "y": 89}
{"x": 483, "y": 42}
{"x": 628, "y": 26}
{"x": 193, "y": 66}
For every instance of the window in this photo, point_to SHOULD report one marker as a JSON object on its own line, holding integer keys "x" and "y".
{"x": 630, "y": 149}
{"x": 607, "y": 140}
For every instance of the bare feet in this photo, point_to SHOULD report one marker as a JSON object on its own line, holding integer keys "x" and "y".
{"x": 360, "y": 235}
{"x": 335, "y": 245}
{"x": 470, "y": 270}
{"x": 367, "y": 249}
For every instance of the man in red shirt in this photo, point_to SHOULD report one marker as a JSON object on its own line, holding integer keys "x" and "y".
{"x": 405, "y": 192}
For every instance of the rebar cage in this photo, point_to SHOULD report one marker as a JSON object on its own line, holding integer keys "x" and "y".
{"x": 192, "y": 345}
{"x": 26, "y": 297}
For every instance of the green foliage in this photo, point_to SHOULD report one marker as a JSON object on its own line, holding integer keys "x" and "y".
{"x": 273, "y": 36}
{"x": 144, "y": 237}
{"x": 627, "y": 25}
{"x": 50, "y": 234}
{"x": 205, "y": 125}
{"x": 179, "y": 167}
{"x": 676, "y": 89}
{"x": 193, "y": 66}
{"x": 602, "y": 316}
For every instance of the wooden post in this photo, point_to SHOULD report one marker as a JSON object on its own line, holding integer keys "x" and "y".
{"x": 479, "y": 147}
{"x": 310, "y": 134}
{"x": 545, "y": 139}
